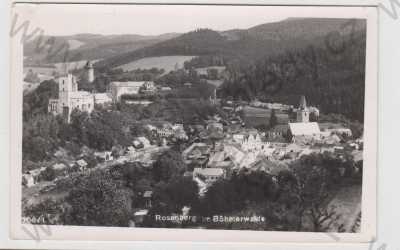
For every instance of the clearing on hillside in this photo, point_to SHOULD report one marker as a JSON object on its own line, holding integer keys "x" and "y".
{"x": 167, "y": 63}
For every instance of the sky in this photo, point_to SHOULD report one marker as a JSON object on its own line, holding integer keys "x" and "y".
{"x": 107, "y": 19}
{"x": 61, "y": 19}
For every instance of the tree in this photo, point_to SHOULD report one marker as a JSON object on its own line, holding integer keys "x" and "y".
{"x": 49, "y": 174}
{"x": 32, "y": 77}
{"x": 313, "y": 117}
{"x": 309, "y": 187}
{"x": 177, "y": 193}
{"x": 48, "y": 212}
{"x": 36, "y": 102}
{"x": 169, "y": 165}
{"x": 98, "y": 200}
{"x": 221, "y": 198}
{"x": 273, "y": 120}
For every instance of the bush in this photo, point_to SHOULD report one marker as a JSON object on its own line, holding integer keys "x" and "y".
{"x": 49, "y": 174}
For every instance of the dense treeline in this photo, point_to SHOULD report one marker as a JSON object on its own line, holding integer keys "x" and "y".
{"x": 203, "y": 42}
{"x": 205, "y": 61}
{"x": 331, "y": 77}
{"x": 36, "y": 102}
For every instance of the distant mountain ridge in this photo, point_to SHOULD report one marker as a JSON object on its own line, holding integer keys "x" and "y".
{"x": 244, "y": 44}
{"x": 86, "y": 46}
{"x": 249, "y": 44}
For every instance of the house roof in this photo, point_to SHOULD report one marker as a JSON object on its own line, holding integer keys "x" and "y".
{"x": 147, "y": 194}
{"x": 59, "y": 166}
{"x": 102, "y": 96}
{"x": 304, "y": 128}
{"x": 217, "y": 157}
{"x": 271, "y": 167}
{"x": 142, "y": 212}
{"x": 80, "y": 94}
{"x": 81, "y": 163}
{"x": 209, "y": 171}
{"x": 143, "y": 140}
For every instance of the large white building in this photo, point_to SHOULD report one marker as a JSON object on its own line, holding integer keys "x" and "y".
{"x": 117, "y": 89}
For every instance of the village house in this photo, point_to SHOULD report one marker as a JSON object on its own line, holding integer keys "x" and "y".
{"x": 28, "y": 180}
{"x": 139, "y": 217}
{"x": 276, "y": 106}
{"x": 271, "y": 167}
{"x": 59, "y": 166}
{"x": 279, "y": 133}
{"x": 105, "y": 155}
{"x": 196, "y": 154}
{"x": 176, "y": 131}
{"x": 147, "y": 88}
{"x": 208, "y": 175}
{"x": 165, "y": 89}
{"x": 188, "y": 84}
{"x": 131, "y": 151}
{"x": 214, "y": 126}
{"x": 251, "y": 142}
{"x": 147, "y": 196}
{"x": 141, "y": 142}
{"x": 335, "y": 128}
{"x": 82, "y": 164}
{"x": 180, "y": 134}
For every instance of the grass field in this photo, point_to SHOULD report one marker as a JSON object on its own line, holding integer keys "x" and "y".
{"x": 162, "y": 62}
{"x": 259, "y": 116}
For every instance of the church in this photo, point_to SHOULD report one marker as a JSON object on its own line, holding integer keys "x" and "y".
{"x": 303, "y": 128}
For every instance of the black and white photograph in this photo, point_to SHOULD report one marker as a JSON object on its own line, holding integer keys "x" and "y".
{"x": 206, "y": 117}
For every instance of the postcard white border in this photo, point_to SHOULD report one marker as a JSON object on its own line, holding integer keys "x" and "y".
{"x": 368, "y": 225}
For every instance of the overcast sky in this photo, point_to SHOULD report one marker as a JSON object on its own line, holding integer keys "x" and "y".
{"x": 142, "y": 19}
{"x": 68, "y": 19}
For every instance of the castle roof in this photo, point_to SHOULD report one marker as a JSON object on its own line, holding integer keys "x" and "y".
{"x": 80, "y": 94}
{"x": 129, "y": 84}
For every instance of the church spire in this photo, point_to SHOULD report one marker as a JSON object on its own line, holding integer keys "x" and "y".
{"x": 303, "y": 104}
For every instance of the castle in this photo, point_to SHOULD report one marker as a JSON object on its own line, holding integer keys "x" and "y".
{"x": 89, "y": 72}
{"x": 69, "y": 98}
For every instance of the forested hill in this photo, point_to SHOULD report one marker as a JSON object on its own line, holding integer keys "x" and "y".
{"x": 52, "y": 49}
{"x": 246, "y": 45}
{"x": 330, "y": 75}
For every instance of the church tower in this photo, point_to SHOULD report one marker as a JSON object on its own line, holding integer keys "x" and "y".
{"x": 303, "y": 114}
{"x": 89, "y": 71}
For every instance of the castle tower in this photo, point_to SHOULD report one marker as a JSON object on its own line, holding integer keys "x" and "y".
{"x": 66, "y": 85}
{"x": 89, "y": 71}
{"x": 303, "y": 114}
